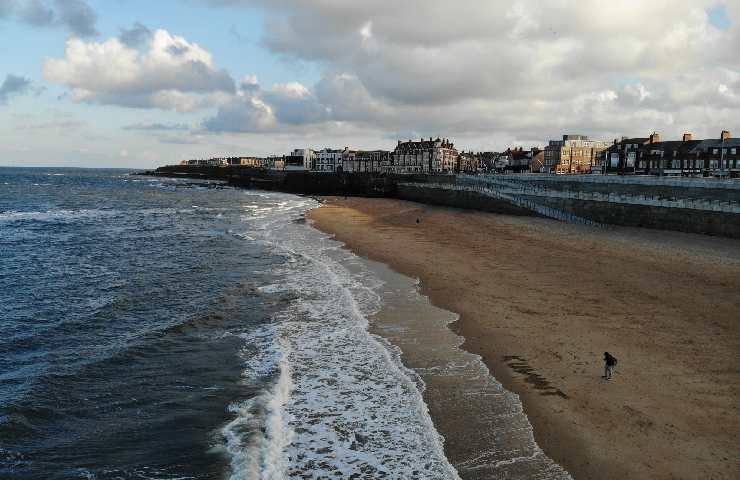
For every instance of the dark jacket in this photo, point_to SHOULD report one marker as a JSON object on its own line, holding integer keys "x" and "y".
{"x": 610, "y": 360}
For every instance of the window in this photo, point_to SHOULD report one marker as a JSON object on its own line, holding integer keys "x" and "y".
{"x": 715, "y": 151}
{"x": 733, "y": 151}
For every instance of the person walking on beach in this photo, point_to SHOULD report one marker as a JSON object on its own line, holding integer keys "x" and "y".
{"x": 609, "y": 363}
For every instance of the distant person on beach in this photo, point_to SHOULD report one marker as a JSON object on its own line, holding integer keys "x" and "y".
{"x": 609, "y": 363}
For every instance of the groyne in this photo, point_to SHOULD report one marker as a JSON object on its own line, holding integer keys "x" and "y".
{"x": 704, "y": 206}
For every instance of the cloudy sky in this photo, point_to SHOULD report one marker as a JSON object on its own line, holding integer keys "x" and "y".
{"x": 142, "y": 83}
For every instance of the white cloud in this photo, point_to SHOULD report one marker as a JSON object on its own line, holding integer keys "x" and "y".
{"x": 170, "y": 73}
{"x": 245, "y": 113}
{"x": 638, "y": 91}
{"x": 522, "y": 69}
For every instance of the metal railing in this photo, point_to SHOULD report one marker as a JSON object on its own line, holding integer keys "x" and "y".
{"x": 543, "y": 210}
{"x": 521, "y": 186}
{"x": 702, "y": 182}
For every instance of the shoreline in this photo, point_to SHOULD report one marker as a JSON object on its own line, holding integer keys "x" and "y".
{"x": 661, "y": 417}
{"x": 486, "y": 433}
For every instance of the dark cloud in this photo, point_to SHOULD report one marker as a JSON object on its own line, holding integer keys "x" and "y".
{"x": 178, "y": 50}
{"x": 78, "y": 16}
{"x": 14, "y": 85}
{"x": 7, "y": 7}
{"x": 135, "y": 36}
{"x": 37, "y": 14}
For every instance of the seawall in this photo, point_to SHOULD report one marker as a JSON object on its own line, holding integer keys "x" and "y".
{"x": 608, "y": 201}
{"x": 687, "y": 220}
{"x": 459, "y": 199}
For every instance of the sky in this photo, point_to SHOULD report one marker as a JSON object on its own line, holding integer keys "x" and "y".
{"x": 131, "y": 83}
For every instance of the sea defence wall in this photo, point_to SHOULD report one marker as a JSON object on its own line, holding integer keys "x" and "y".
{"x": 439, "y": 195}
{"x": 708, "y": 222}
{"x": 658, "y": 187}
{"x": 302, "y": 182}
{"x": 706, "y": 206}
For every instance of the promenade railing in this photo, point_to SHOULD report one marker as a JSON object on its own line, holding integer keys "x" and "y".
{"x": 522, "y": 186}
{"x": 651, "y": 180}
{"x": 528, "y": 204}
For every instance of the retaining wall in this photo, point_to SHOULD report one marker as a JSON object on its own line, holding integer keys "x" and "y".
{"x": 648, "y": 216}
{"x": 460, "y": 199}
{"x": 690, "y": 188}
{"x": 605, "y": 212}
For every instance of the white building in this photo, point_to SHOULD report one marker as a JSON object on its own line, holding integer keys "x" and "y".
{"x": 328, "y": 160}
{"x": 300, "y": 159}
{"x": 365, "y": 161}
{"x": 274, "y": 163}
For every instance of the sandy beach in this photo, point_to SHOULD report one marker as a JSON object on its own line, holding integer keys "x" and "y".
{"x": 540, "y": 302}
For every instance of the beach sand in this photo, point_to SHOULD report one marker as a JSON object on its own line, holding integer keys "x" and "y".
{"x": 541, "y": 301}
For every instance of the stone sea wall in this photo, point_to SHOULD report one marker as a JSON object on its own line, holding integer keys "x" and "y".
{"x": 596, "y": 209}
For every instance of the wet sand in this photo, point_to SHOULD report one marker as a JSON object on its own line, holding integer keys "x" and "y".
{"x": 541, "y": 301}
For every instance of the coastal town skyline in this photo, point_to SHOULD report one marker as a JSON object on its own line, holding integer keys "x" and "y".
{"x": 573, "y": 154}
{"x": 94, "y": 83}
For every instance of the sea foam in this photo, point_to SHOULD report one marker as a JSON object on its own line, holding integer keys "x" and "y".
{"x": 338, "y": 401}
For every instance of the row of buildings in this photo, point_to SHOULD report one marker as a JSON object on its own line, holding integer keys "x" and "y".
{"x": 644, "y": 155}
{"x": 573, "y": 154}
{"x": 423, "y": 156}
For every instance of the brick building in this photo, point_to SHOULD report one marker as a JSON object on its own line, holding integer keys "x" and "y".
{"x": 424, "y": 156}
{"x": 685, "y": 157}
{"x": 624, "y": 155}
{"x": 468, "y": 162}
{"x": 572, "y": 154}
{"x": 719, "y": 156}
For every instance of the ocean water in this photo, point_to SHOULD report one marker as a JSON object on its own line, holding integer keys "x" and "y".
{"x": 171, "y": 329}
{"x": 155, "y": 328}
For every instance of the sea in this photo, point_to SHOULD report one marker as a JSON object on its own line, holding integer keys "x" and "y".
{"x": 158, "y": 328}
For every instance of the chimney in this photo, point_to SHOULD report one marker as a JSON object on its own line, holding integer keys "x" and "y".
{"x": 687, "y": 137}
{"x": 655, "y": 137}
{"x": 725, "y": 135}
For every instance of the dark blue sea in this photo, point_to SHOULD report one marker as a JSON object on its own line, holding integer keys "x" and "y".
{"x": 156, "y": 328}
